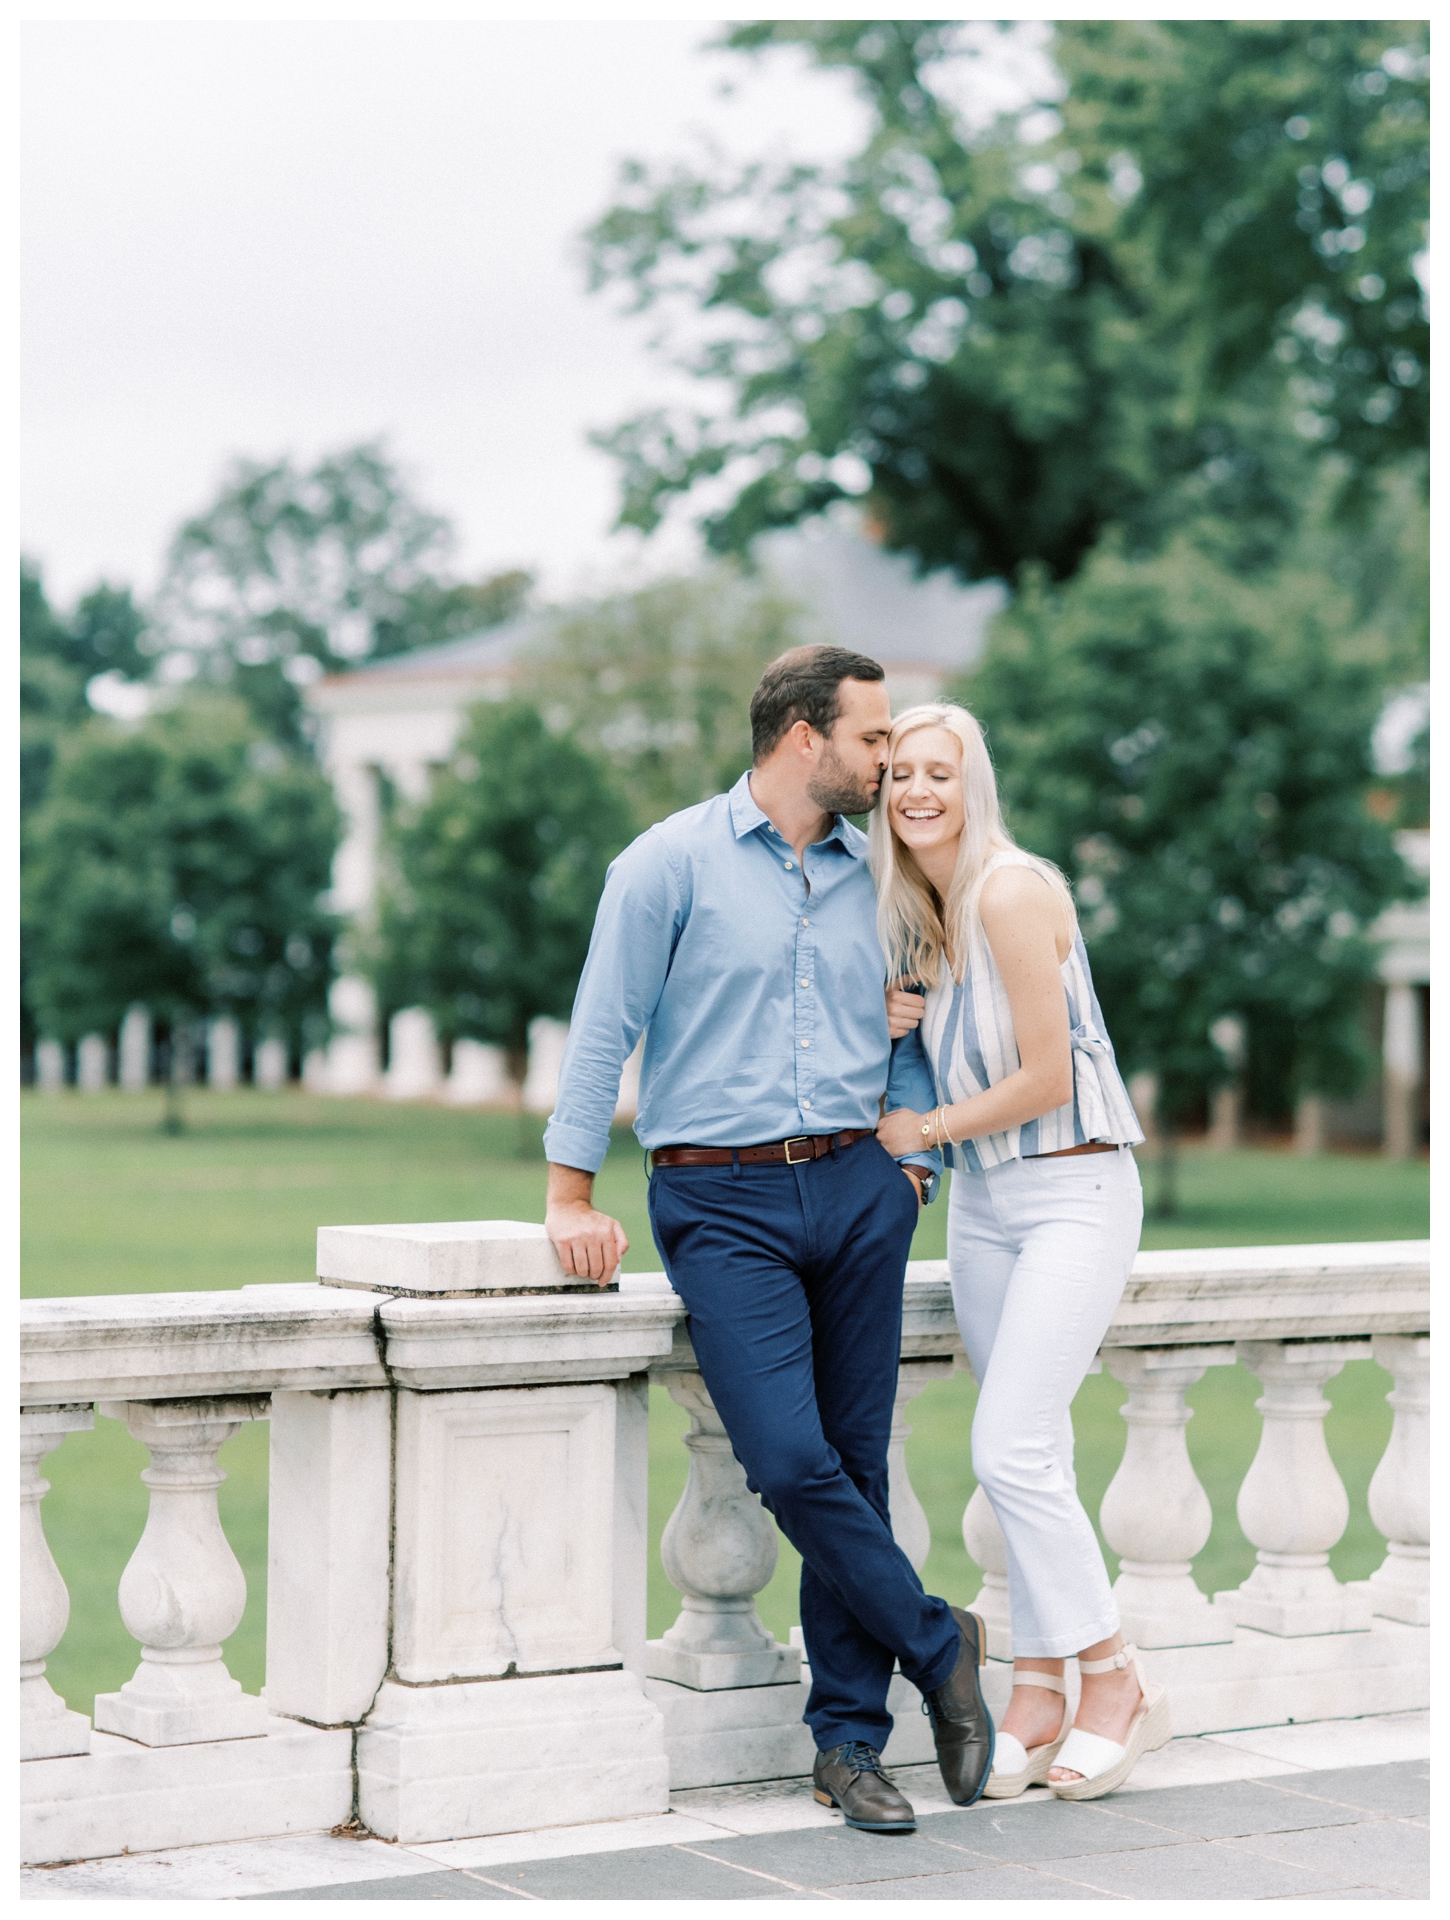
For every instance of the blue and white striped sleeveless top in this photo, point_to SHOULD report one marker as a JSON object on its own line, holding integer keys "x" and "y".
{"x": 969, "y": 1040}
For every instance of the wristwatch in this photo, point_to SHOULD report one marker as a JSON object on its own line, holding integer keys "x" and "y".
{"x": 928, "y": 1181}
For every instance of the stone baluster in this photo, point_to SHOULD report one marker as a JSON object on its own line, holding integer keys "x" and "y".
{"x": 719, "y": 1550}
{"x": 48, "y": 1729}
{"x": 982, "y": 1537}
{"x": 134, "y": 1050}
{"x": 183, "y": 1591}
{"x": 93, "y": 1058}
{"x": 1292, "y": 1504}
{"x": 1399, "y": 1493}
{"x": 1155, "y": 1515}
{"x": 50, "y": 1066}
{"x": 223, "y": 1054}
{"x": 909, "y": 1523}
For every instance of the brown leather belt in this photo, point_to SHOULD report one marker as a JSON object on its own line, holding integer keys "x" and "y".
{"x": 1090, "y": 1146}
{"x": 791, "y": 1153}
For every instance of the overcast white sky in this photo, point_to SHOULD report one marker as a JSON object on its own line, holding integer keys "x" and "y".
{"x": 284, "y": 237}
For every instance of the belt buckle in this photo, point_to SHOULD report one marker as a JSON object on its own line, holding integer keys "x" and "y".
{"x": 798, "y": 1140}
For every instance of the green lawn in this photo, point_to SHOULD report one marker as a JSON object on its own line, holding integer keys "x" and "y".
{"x": 113, "y": 1205}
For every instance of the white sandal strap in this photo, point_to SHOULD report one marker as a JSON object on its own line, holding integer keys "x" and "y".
{"x": 1088, "y": 1754}
{"x": 1010, "y": 1755}
{"x": 1124, "y": 1657}
{"x": 1027, "y": 1677}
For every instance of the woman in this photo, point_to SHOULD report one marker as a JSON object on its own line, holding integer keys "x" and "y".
{"x": 1042, "y": 1224}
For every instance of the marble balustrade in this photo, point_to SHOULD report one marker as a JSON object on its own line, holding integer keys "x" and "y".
{"x": 459, "y": 1462}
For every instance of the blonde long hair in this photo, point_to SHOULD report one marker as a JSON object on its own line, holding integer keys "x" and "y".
{"x": 915, "y": 926}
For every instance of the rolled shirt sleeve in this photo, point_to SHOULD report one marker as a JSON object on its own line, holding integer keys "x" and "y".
{"x": 629, "y": 956}
{"x": 909, "y": 1083}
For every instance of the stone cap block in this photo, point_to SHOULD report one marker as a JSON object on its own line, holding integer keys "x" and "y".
{"x": 446, "y": 1260}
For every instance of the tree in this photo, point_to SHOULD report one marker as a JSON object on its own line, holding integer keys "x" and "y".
{"x": 658, "y": 682}
{"x": 1189, "y": 280}
{"x": 179, "y": 863}
{"x": 59, "y": 656}
{"x": 1194, "y": 751}
{"x": 294, "y": 572}
{"x": 486, "y": 915}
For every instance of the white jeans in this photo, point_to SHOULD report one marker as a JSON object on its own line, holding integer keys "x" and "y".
{"x": 1040, "y": 1251}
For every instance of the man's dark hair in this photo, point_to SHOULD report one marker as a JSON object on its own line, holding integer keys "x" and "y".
{"x": 804, "y": 684}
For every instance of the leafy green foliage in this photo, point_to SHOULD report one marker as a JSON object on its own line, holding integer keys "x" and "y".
{"x": 658, "y": 682}
{"x": 1193, "y": 753}
{"x": 179, "y": 863}
{"x": 291, "y": 573}
{"x": 59, "y": 655}
{"x": 1162, "y": 298}
{"x": 486, "y": 917}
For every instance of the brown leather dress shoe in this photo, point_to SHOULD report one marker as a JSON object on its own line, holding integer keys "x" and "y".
{"x": 850, "y": 1777}
{"x": 960, "y": 1722}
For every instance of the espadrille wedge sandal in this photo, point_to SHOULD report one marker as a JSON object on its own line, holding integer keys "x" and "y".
{"x": 1015, "y": 1768}
{"x": 1103, "y": 1764}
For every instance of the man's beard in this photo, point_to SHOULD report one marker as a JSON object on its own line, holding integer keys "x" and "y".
{"x": 834, "y": 789}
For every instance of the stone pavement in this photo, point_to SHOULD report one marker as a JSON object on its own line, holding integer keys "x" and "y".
{"x": 1337, "y": 1810}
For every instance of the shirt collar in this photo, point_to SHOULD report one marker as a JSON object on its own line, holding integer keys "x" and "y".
{"x": 746, "y": 817}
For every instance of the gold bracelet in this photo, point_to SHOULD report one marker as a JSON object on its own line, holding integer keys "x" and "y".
{"x": 942, "y": 1116}
{"x": 936, "y": 1128}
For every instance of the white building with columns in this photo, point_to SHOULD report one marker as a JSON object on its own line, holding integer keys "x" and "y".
{"x": 384, "y": 728}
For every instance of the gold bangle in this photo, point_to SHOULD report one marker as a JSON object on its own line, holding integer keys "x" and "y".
{"x": 942, "y": 1115}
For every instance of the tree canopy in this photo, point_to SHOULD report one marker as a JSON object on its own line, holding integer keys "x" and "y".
{"x": 492, "y": 884}
{"x": 658, "y": 682}
{"x": 292, "y": 572}
{"x": 60, "y": 654}
{"x": 1187, "y": 277}
{"x": 179, "y": 863}
{"x": 1194, "y": 752}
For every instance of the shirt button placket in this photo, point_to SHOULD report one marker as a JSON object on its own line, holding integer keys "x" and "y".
{"x": 805, "y": 1000}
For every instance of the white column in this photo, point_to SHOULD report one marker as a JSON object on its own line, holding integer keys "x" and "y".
{"x": 479, "y": 1077}
{"x": 269, "y": 1063}
{"x": 135, "y": 1050}
{"x": 1401, "y": 1069}
{"x": 909, "y": 1523}
{"x": 982, "y": 1537}
{"x": 1225, "y": 1106}
{"x": 329, "y": 1502}
{"x": 1292, "y": 1504}
{"x": 48, "y": 1729}
{"x": 1309, "y": 1124}
{"x": 415, "y": 1070}
{"x": 1399, "y": 1493}
{"x": 1143, "y": 1092}
{"x": 1155, "y": 1515}
{"x": 352, "y": 1052}
{"x": 92, "y": 1060}
{"x": 719, "y": 1550}
{"x": 547, "y": 1039}
{"x": 50, "y": 1066}
{"x": 183, "y": 1591}
{"x": 223, "y": 1054}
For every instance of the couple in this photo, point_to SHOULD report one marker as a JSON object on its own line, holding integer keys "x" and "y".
{"x": 745, "y": 939}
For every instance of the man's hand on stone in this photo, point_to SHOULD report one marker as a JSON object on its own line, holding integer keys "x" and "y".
{"x": 590, "y": 1244}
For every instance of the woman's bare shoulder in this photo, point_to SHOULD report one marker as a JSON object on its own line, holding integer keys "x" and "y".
{"x": 1014, "y": 887}
{"x": 1021, "y": 897}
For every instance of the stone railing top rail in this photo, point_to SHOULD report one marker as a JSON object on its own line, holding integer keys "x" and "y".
{"x": 327, "y": 1337}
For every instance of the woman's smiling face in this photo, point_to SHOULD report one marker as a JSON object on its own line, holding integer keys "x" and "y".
{"x": 924, "y": 789}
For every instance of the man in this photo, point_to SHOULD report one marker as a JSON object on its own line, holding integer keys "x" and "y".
{"x": 740, "y": 936}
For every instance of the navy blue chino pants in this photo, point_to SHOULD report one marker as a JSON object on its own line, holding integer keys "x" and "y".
{"x": 792, "y": 1278}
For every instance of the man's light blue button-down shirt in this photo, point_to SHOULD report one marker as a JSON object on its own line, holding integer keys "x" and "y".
{"x": 759, "y": 995}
